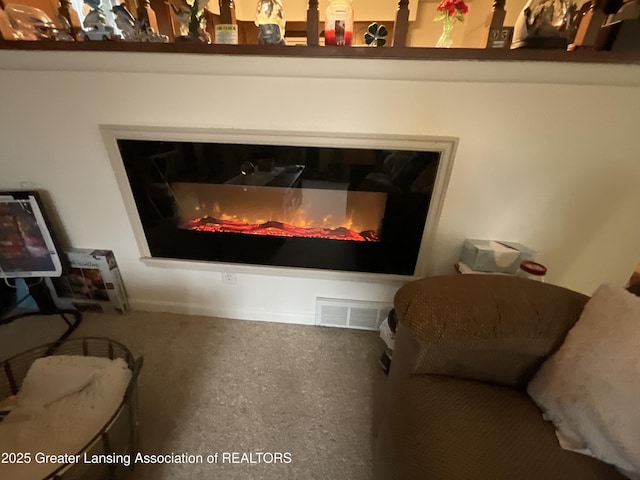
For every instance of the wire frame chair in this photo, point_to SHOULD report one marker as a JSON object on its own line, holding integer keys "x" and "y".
{"x": 119, "y": 435}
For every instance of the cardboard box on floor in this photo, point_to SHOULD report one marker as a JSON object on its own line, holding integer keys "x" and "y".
{"x": 93, "y": 283}
{"x": 495, "y": 256}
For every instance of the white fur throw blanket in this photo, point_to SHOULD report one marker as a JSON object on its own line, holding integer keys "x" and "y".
{"x": 590, "y": 388}
{"x": 63, "y": 403}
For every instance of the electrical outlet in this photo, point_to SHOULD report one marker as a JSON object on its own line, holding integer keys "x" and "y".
{"x": 229, "y": 278}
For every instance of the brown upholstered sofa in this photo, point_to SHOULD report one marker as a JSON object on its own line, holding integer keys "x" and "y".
{"x": 454, "y": 406}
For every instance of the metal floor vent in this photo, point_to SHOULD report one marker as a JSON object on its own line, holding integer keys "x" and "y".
{"x": 334, "y": 312}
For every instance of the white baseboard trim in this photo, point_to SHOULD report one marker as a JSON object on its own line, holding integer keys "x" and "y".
{"x": 301, "y": 318}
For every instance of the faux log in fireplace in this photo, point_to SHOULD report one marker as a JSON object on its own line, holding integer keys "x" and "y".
{"x": 350, "y": 209}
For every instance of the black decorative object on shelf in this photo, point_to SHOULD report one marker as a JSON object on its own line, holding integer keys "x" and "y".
{"x": 376, "y": 35}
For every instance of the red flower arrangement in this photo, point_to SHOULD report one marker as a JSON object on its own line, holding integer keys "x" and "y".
{"x": 449, "y": 11}
{"x": 452, "y": 9}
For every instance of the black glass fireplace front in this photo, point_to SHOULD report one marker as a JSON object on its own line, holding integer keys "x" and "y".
{"x": 361, "y": 210}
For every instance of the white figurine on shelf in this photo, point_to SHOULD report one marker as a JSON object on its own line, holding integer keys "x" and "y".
{"x": 124, "y": 21}
{"x": 133, "y": 29}
{"x": 95, "y": 23}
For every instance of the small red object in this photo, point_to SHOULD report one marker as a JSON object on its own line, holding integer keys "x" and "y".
{"x": 533, "y": 268}
{"x": 331, "y": 39}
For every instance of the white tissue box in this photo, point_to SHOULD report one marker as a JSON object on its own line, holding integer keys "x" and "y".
{"x": 495, "y": 256}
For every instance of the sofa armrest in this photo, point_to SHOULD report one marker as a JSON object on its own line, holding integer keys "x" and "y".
{"x": 485, "y": 327}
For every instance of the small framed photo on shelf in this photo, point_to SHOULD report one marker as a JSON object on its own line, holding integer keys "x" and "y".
{"x": 500, "y": 37}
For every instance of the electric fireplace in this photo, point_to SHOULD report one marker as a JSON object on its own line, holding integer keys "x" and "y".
{"x": 333, "y": 208}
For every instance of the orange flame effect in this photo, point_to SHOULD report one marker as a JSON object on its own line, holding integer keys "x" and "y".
{"x": 278, "y": 229}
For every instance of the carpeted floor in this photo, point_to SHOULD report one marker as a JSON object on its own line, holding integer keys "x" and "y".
{"x": 214, "y": 385}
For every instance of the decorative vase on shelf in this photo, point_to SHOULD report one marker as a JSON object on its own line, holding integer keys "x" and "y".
{"x": 270, "y": 22}
{"x": 449, "y": 12}
{"x": 445, "y": 38}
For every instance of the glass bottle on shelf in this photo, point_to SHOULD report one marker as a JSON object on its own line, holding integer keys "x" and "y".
{"x": 532, "y": 271}
{"x": 226, "y": 32}
{"x": 338, "y": 24}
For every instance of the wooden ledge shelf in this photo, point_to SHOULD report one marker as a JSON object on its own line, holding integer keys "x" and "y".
{"x": 396, "y": 53}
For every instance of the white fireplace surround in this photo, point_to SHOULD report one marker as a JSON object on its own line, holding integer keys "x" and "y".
{"x": 446, "y": 146}
{"x": 545, "y": 157}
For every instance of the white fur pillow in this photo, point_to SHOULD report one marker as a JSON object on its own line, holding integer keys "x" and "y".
{"x": 590, "y": 388}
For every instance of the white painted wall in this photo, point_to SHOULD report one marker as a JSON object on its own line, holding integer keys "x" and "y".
{"x": 547, "y": 155}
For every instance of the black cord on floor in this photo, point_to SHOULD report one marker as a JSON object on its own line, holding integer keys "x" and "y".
{"x": 40, "y": 293}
